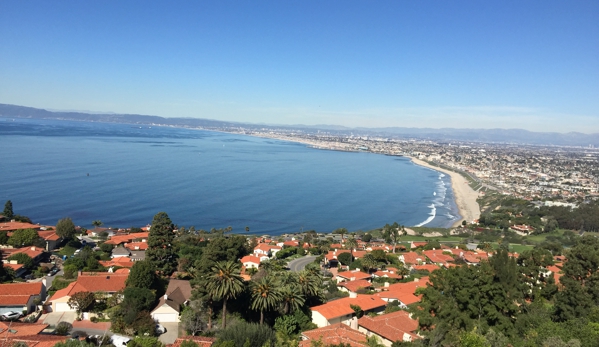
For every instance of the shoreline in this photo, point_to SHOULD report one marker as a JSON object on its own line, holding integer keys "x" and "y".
{"x": 464, "y": 196}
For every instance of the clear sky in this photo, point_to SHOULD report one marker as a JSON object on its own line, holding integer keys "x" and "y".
{"x": 461, "y": 64}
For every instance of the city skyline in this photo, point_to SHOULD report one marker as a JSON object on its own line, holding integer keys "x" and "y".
{"x": 397, "y": 64}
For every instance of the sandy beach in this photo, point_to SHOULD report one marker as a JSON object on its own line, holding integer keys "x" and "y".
{"x": 464, "y": 195}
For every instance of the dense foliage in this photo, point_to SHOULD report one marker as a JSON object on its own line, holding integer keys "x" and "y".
{"x": 161, "y": 248}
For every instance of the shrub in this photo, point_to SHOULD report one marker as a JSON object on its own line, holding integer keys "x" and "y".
{"x": 63, "y": 328}
{"x": 239, "y": 332}
{"x": 94, "y": 319}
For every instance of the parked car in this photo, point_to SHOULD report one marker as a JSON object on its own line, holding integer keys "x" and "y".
{"x": 11, "y": 315}
{"x": 119, "y": 341}
{"x": 160, "y": 329}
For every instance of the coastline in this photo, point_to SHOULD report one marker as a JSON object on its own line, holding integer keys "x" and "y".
{"x": 465, "y": 196}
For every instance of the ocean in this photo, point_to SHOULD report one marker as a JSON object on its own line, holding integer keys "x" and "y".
{"x": 124, "y": 174}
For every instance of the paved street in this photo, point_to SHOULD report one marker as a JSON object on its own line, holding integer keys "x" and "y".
{"x": 53, "y": 318}
{"x": 297, "y": 265}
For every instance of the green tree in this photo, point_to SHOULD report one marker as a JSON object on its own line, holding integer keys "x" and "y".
{"x": 3, "y": 238}
{"x": 291, "y": 298}
{"x": 22, "y": 258}
{"x": 239, "y": 332}
{"x": 142, "y": 275}
{"x": 97, "y": 223}
{"x": 23, "y": 237}
{"x": 138, "y": 299}
{"x": 352, "y": 244}
{"x": 391, "y": 233}
{"x": 345, "y": 258}
{"x": 369, "y": 262}
{"x": 65, "y": 228}
{"x": 580, "y": 280}
{"x": 74, "y": 342}
{"x": 189, "y": 343}
{"x": 81, "y": 301}
{"x": 265, "y": 296}
{"x": 341, "y": 231}
{"x": 161, "y": 252}
{"x": 225, "y": 283}
{"x": 192, "y": 320}
{"x": 8, "y": 212}
{"x": 63, "y": 328}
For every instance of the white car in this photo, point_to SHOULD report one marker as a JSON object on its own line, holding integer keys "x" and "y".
{"x": 11, "y": 315}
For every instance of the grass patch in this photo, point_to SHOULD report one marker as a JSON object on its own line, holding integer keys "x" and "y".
{"x": 67, "y": 250}
{"x": 515, "y": 247}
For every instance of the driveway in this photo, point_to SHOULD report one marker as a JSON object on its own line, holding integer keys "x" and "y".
{"x": 299, "y": 264}
{"x": 172, "y": 332}
{"x": 53, "y": 318}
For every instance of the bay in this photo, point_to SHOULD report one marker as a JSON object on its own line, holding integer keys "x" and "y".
{"x": 124, "y": 174}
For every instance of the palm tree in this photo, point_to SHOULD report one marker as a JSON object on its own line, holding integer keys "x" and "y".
{"x": 368, "y": 262}
{"x": 309, "y": 284}
{"x": 291, "y": 298}
{"x": 286, "y": 278}
{"x": 402, "y": 271}
{"x": 351, "y": 243}
{"x": 225, "y": 283}
{"x": 265, "y": 296}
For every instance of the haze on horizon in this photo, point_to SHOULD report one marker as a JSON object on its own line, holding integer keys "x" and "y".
{"x": 464, "y": 64}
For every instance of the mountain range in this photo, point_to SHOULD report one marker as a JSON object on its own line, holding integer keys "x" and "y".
{"x": 507, "y": 136}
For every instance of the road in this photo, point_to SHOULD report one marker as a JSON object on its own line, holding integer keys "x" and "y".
{"x": 299, "y": 264}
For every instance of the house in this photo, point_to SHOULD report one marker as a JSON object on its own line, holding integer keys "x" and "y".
{"x": 334, "y": 334}
{"x": 168, "y": 309}
{"x": 437, "y": 256}
{"x": 51, "y": 238}
{"x": 252, "y": 261}
{"x": 21, "y": 297}
{"x": 14, "y": 226}
{"x": 29, "y": 334}
{"x": 403, "y": 293}
{"x": 352, "y": 275}
{"x": 390, "y": 327}
{"x": 94, "y": 282}
{"x": 340, "y": 311}
{"x": 354, "y": 286}
{"x": 127, "y": 238}
{"x": 412, "y": 258}
{"x": 267, "y": 250}
{"x": 120, "y": 251}
{"x": 201, "y": 341}
{"x": 119, "y": 261}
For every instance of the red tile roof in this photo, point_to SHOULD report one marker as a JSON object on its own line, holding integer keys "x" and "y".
{"x": 403, "y": 292}
{"x": 250, "y": 259}
{"x": 48, "y": 235}
{"x": 437, "y": 256}
{"x": 18, "y": 293}
{"x": 333, "y": 335}
{"x": 353, "y": 275}
{"x": 96, "y": 282}
{"x": 339, "y": 308}
{"x": 413, "y": 258}
{"x": 353, "y": 286}
{"x": 117, "y": 240}
{"x": 429, "y": 267}
{"x": 392, "y": 326}
{"x": 20, "y": 329}
{"x": 137, "y": 246}
{"x": 12, "y": 226}
{"x": 120, "y": 261}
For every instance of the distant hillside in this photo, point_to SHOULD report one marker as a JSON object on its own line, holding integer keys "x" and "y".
{"x": 515, "y": 136}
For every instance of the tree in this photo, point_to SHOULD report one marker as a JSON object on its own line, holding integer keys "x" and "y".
{"x": 580, "y": 280}
{"x": 23, "y": 237}
{"x": 97, "y": 223}
{"x": 142, "y": 275}
{"x": 352, "y": 244}
{"x": 240, "y": 332}
{"x": 345, "y": 258}
{"x": 192, "y": 321}
{"x": 137, "y": 299}
{"x": 63, "y": 328}
{"x": 341, "y": 231}
{"x": 391, "y": 233}
{"x": 65, "y": 228}
{"x": 369, "y": 262}
{"x": 225, "y": 283}
{"x": 366, "y": 238}
{"x": 8, "y": 212}
{"x": 145, "y": 341}
{"x": 189, "y": 343}
{"x": 161, "y": 252}
{"x": 22, "y": 258}
{"x": 291, "y": 298}
{"x": 3, "y": 238}
{"x": 81, "y": 301}
{"x": 265, "y": 296}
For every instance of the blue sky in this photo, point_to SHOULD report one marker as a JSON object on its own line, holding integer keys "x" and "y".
{"x": 460, "y": 64}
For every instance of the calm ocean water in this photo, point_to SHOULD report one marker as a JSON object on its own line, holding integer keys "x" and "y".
{"x": 208, "y": 180}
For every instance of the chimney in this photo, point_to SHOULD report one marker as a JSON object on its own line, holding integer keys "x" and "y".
{"x": 353, "y": 295}
{"x": 416, "y": 279}
{"x": 387, "y": 284}
{"x": 165, "y": 297}
{"x": 33, "y": 248}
